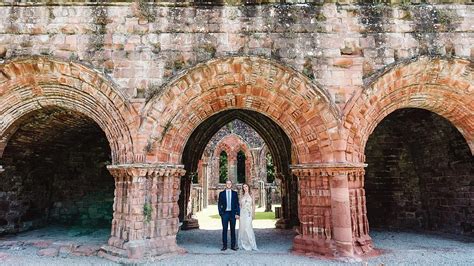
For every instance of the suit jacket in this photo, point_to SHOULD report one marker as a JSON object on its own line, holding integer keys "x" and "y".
{"x": 222, "y": 203}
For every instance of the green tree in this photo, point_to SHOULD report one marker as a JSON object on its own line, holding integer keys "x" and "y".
{"x": 270, "y": 168}
{"x": 222, "y": 167}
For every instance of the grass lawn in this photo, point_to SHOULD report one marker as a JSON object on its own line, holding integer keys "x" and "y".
{"x": 258, "y": 216}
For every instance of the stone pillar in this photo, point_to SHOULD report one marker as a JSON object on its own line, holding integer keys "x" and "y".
{"x": 284, "y": 221}
{"x": 324, "y": 206}
{"x": 261, "y": 189}
{"x": 188, "y": 221}
{"x": 360, "y": 224}
{"x": 232, "y": 167}
{"x": 145, "y": 220}
{"x": 269, "y": 202}
{"x": 205, "y": 184}
{"x": 248, "y": 171}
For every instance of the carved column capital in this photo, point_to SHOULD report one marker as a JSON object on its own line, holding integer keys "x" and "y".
{"x": 327, "y": 169}
{"x": 146, "y": 170}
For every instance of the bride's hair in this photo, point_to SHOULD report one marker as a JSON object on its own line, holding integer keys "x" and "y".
{"x": 243, "y": 191}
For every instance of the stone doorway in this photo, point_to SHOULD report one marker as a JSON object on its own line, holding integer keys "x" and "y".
{"x": 236, "y": 152}
{"x": 212, "y": 153}
{"x": 420, "y": 175}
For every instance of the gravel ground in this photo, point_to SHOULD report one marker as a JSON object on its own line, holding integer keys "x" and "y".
{"x": 203, "y": 246}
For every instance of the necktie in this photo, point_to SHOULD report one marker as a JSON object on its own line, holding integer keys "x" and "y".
{"x": 228, "y": 201}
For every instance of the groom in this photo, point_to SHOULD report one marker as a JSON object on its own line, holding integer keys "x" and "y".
{"x": 229, "y": 210}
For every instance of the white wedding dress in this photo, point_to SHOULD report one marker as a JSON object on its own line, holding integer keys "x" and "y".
{"x": 246, "y": 239}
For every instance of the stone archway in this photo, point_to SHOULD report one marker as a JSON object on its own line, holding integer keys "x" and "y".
{"x": 419, "y": 170}
{"x": 303, "y": 110}
{"x": 69, "y": 96}
{"x": 442, "y": 86}
{"x": 34, "y": 83}
{"x": 237, "y": 87}
{"x": 232, "y": 144}
{"x": 223, "y": 146}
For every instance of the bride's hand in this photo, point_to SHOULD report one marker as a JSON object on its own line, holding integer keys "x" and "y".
{"x": 237, "y": 217}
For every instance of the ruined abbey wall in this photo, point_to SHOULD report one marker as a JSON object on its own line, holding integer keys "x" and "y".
{"x": 142, "y": 46}
{"x": 315, "y": 80}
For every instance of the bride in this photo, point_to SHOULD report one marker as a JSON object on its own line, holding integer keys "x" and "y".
{"x": 246, "y": 238}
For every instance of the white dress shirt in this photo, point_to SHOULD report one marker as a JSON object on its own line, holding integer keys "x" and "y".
{"x": 229, "y": 199}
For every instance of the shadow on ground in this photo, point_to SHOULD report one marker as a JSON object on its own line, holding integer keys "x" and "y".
{"x": 269, "y": 241}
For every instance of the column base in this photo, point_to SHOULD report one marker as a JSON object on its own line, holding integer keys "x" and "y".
{"x": 363, "y": 245}
{"x": 330, "y": 248}
{"x": 309, "y": 246}
{"x": 190, "y": 223}
{"x": 139, "y": 251}
{"x": 282, "y": 224}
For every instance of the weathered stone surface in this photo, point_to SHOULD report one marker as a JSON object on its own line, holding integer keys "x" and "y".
{"x": 149, "y": 76}
{"x": 153, "y": 232}
{"x": 48, "y": 252}
{"x": 82, "y": 195}
{"x": 332, "y": 221}
{"x": 86, "y": 250}
{"x": 65, "y": 251}
{"x": 419, "y": 174}
{"x": 39, "y": 243}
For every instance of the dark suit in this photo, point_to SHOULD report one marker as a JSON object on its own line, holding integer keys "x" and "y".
{"x": 228, "y": 216}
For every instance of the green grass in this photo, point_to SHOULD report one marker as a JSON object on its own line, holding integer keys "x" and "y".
{"x": 258, "y": 216}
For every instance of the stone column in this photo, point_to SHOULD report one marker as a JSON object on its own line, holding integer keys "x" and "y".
{"x": 145, "y": 220}
{"x": 232, "y": 167}
{"x": 284, "y": 221}
{"x": 360, "y": 224}
{"x": 185, "y": 199}
{"x": 262, "y": 196}
{"x": 205, "y": 184}
{"x": 324, "y": 206}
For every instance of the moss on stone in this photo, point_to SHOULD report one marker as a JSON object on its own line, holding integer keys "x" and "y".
{"x": 320, "y": 16}
{"x": 152, "y": 91}
{"x": 308, "y": 68}
{"x": 147, "y": 212}
{"x": 146, "y": 10}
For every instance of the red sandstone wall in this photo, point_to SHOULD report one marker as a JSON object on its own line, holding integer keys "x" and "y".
{"x": 141, "y": 47}
{"x": 419, "y": 175}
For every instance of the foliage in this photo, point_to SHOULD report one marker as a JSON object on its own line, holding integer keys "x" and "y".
{"x": 146, "y": 10}
{"x": 270, "y": 168}
{"x": 147, "y": 212}
{"x": 223, "y": 167}
{"x": 230, "y": 127}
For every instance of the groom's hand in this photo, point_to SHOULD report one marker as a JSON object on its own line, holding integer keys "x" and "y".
{"x": 237, "y": 217}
